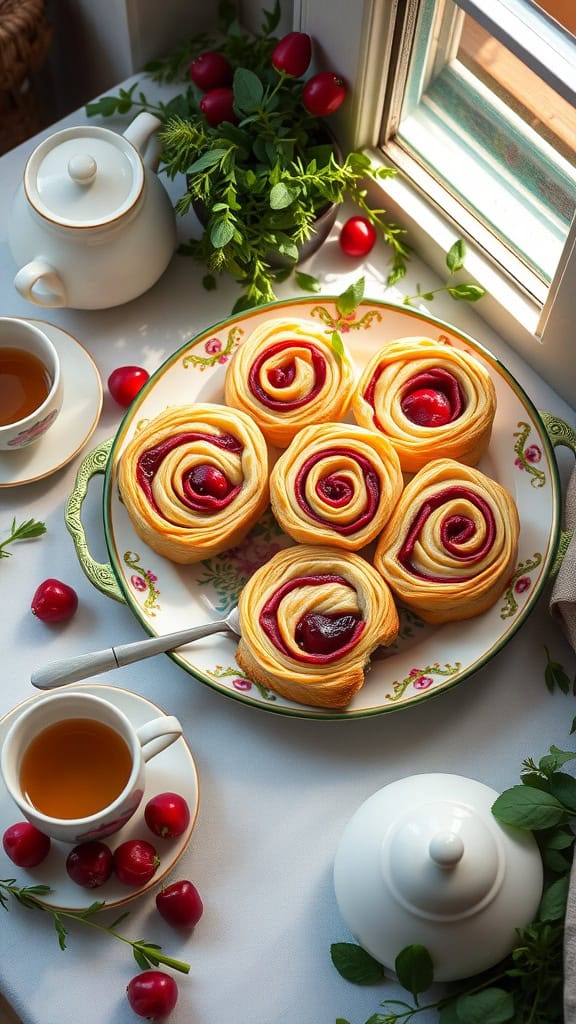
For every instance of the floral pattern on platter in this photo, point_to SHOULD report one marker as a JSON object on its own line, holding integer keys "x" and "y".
{"x": 142, "y": 582}
{"x": 216, "y": 351}
{"x": 519, "y": 584}
{"x": 422, "y": 679}
{"x": 528, "y": 455}
{"x": 242, "y": 683}
{"x": 346, "y": 322}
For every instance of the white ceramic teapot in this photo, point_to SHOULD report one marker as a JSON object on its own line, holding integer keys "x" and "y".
{"x": 425, "y": 861}
{"x": 91, "y": 224}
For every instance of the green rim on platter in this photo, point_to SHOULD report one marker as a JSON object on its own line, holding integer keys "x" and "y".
{"x": 528, "y": 459}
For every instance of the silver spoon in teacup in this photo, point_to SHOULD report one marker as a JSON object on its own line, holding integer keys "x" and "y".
{"x": 72, "y": 670}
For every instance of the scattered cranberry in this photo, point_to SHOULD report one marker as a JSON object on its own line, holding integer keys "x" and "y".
{"x": 357, "y": 237}
{"x": 152, "y": 994}
{"x": 90, "y": 864}
{"x": 125, "y": 382}
{"x": 217, "y": 106}
{"x": 292, "y": 54}
{"x": 54, "y": 601}
{"x": 427, "y": 407}
{"x": 180, "y": 904}
{"x": 167, "y": 815}
{"x": 211, "y": 70}
{"x": 25, "y": 844}
{"x": 135, "y": 862}
{"x": 323, "y": 93}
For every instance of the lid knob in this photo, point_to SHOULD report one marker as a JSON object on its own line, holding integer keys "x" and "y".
{"x": 82, "y": 168}
{"x": 446, "y": 849}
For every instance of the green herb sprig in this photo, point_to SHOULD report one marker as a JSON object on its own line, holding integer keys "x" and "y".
{"x": 462, "y": 291}
{"x": 527, "y": 986}
{"x": 24, "y": 531}
{"x": 146, "y": 954}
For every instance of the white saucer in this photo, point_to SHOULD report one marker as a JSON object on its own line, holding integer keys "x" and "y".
{"x": 173, "y": 770}
{"x": 77, "y": 420}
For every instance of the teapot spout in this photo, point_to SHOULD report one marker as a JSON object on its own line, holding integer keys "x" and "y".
{"x": 142, "y": 134}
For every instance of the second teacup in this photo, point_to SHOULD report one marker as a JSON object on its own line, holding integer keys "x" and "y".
{"x": 31, "y": 387}
{"x": 75, "y": 765}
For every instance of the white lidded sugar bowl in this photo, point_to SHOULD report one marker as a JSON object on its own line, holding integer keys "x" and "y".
{"x": 92, "y": 225}
{"x": 425, "y": 861}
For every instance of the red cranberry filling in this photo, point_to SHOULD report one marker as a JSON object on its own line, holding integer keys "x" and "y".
{"x": 337, "y": 491}
{"x": 322, "y": 638}
{"x": 431, "y": 398}
{"x": 205, "y": 487}
{"x": 284, "y": 375}
{"x": 455, "y": 531}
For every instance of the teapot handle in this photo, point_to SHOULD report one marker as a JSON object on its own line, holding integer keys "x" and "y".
{"x": 38, "y": 272}
{"x": 142, "y": 134}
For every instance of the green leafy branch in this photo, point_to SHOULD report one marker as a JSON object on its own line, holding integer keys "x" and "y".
{"x": 463, "y": 291}
{"x": 146, "y": 954}
{"x": 24, "y": 531}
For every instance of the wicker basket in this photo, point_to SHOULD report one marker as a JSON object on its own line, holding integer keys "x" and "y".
{"x": 25, "y": 38}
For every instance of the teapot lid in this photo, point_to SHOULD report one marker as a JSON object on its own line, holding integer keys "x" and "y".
{"x": 425, "y": 861}
{"x": 84, "y": 177}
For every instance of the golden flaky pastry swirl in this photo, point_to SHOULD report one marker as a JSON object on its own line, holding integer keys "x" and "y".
{"x": 286, "y": 375}
{"x": 450, "y": 547}
{"x": 194, "y": 480}
{"x": 336, "y": 484}
{"x": 310, "y": 619}
{"x": 429, "y": 399}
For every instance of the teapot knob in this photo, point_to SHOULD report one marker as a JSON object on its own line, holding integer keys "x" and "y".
{"x": 82, "y": 168}
{"x": 446, "y": 849}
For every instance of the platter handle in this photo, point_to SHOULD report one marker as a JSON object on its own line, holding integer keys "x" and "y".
{"x": 559, "y": 433}
{"x": 100, "y": 574}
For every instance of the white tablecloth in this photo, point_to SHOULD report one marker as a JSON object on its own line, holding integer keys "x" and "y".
{"x": 276, "y": 792}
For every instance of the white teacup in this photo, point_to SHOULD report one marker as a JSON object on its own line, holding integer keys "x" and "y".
{"x": 31, "y": 387}
{"x": 75, "y": 765}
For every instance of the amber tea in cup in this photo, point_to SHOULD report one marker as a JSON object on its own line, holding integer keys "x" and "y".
{"x": 74, "y": 768}
{"x": 25, "y": 384}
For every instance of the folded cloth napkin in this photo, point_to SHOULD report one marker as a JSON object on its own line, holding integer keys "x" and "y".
{"x": 563, "y": 609}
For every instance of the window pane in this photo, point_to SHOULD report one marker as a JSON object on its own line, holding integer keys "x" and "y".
{"x": 490, "y": 129}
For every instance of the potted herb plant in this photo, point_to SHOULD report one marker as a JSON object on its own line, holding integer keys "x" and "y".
{"x": 251, "y": 136}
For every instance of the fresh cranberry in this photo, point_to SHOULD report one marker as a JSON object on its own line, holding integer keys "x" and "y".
{"x": 211, "y": 70}
{"x": 25, "y": 844}
{"x": 180, "y": 904}
{"x": 135, "y": 862}
{"x": 167, "y": 815}
{"x": 125, "y": 382}
{"x": 206, "y": 479}
{"x": 217, "y": 106}
{"x": 323, "y": 93}
{"x": 152, "y": 994}
{"x": 292, "y": 54}
{"x": 90, "y": 864}
{"x": 357, "y": 237}
{"x": 427, "y": 408}
{"x": 54, "y": 601}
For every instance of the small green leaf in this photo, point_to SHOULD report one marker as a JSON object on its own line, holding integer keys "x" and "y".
{"x": 555, "y": 675}
{"x": 414, "y": 968}
{"x": 209, "y": 282}
{"x": 282, "y": 196}
{"x": 306, "y": 282}
{"x": 248, "y": 90}
{"x": 106, "y": 106}
{"x": 455, "y": 256}
{"x": 467, "y": 292}
{"x": 528, "y": 808}
{"x": 563, "y": 787}
{"x": 208, "y": 159}
{"x": 555, "y": 759}
{"x": 492, "y": 1006}
{"x": 553, "y": 904}
{"x": 221, "y": 233}
{"x": 337, "y": 344}
{"x": 355, "y": 964}
{"x": 349, "y": 300}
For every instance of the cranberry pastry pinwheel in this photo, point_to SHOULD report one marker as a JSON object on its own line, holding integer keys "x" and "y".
{"x": 337, "y": 484}
{"x": 310, "y": 620}
{"x": 287, "y": 375}
{"x": 429, "y": 399}
{"x": 450, "y": 546}
{"x": 194, "y": 480}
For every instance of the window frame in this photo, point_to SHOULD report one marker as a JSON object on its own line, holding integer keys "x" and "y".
{"x": 362, "y": 41}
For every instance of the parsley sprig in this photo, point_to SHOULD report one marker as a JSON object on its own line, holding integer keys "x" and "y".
{"x": 146, "y": 954}
{"x": 24, "y": 531}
